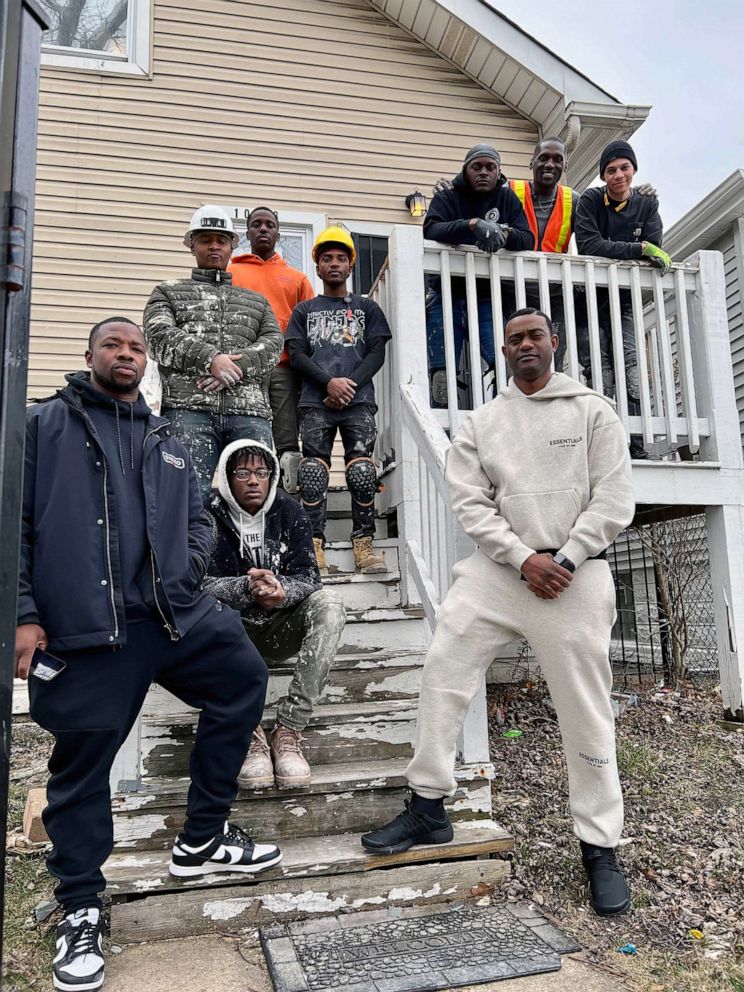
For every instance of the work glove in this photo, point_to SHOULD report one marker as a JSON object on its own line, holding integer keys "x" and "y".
{"x": 647, "y": 189}
{"x": 489, "y": 236}
{"x": 657, "y": 257}
{"x": 442, "y": 185}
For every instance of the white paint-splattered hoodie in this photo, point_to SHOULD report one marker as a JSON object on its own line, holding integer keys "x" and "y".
{"x": 278, "y": 537}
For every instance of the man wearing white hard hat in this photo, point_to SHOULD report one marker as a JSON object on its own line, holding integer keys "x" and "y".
{"x": 216, "y": 345}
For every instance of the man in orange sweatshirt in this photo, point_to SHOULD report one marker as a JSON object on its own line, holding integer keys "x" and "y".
{"x": 265, "y": 271}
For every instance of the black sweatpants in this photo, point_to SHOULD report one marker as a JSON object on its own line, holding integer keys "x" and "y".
{"x": 358, "y": 430}
{"x": 90, "y": 709}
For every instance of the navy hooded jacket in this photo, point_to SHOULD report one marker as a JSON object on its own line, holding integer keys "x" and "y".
{"x": 70, "y": 571}
{"x": 449, "y": 213}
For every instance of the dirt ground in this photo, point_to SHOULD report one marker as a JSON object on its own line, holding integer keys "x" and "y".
{"x": 683, "y": 850}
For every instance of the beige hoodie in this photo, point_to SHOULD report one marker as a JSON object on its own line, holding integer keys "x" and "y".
{"x": 551, "y": 470}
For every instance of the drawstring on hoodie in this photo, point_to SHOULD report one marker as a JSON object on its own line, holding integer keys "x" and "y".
{"x": 131, "y": 436}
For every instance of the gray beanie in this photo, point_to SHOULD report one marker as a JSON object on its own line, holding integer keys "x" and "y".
{"x": 481, "y": 151}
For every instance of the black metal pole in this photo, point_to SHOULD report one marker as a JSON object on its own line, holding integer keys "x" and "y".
{"x": 21, "y": 26}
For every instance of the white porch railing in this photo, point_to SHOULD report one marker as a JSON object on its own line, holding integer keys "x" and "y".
{"x": 686, "y": 399}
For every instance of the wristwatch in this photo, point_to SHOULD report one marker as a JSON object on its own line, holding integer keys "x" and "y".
{"x": 564, "y": 562}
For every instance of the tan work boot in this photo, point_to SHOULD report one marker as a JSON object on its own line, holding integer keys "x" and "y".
{"x": 367, "y": 560}
{"x": 290, "y": 767}
{"x": 320, "y": 555}
{"x": 257, "y": 771}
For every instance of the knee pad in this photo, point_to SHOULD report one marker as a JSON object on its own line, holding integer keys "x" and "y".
{"x": 312, "y": 478}
{"x": 361, "y": 479}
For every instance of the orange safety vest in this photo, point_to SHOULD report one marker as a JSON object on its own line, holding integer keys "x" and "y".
{"x": 558, "y": 229}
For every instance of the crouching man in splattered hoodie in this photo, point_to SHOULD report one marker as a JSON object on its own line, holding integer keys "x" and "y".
{"x": 540, "y": 480}
{"x": 263, "y": 565}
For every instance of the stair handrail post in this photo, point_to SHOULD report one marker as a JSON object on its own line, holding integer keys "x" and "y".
{"x": 408, "y": 321}
{"x": 716, "y": 399}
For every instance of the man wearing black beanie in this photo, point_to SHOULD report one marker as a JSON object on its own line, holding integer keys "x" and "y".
{"x": 613, "y": 221}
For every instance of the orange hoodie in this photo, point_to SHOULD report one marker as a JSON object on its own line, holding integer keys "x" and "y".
{"x": 283, "y": 286}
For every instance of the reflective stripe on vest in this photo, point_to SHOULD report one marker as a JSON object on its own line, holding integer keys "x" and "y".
{"x": 558, "y": 229}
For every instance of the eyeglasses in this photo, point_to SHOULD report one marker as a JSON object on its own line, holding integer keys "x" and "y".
{"x": 245, "y": 473}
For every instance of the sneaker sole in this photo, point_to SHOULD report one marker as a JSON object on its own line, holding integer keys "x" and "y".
{"x": 194, "y": 871}
{"x": 293, "y": 783}
{"x": 257, "y": 783}
{"x": 436, "y": 837}
{"x": 78, "y": 986}
{"x": 614, "y": 911}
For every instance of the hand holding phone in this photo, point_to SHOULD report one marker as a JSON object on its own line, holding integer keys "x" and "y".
{"x": 29, "y": 636}
{"x": 45, "y": 666}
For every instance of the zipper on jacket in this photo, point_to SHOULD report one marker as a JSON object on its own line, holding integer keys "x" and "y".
{"x": 174, "y": 635}
{"x": 108, "y": 547}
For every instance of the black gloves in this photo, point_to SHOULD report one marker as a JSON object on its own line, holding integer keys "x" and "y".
{"x": 489, "y": 236}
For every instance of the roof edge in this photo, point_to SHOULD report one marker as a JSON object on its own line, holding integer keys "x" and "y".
{"x": 693, "y": 231}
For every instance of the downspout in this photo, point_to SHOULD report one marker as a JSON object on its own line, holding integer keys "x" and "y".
{"x": 573, "y": 133}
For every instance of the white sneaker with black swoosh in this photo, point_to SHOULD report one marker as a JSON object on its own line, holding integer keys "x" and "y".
{"x": 78, "y": 959}
{"x": 232, "y": 850}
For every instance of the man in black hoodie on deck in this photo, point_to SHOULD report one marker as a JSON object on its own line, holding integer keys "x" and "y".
{"x": 114, "y": 545}
{"x": 480, "y": 209}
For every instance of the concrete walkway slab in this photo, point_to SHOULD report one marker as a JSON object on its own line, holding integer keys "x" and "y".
{"x": 232, "y": 964}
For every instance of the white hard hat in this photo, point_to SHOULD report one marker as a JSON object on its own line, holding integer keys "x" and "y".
{"x": 210, "y": 218}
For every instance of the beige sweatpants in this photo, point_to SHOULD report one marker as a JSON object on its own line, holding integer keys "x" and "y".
{"x": 487, "y": 607}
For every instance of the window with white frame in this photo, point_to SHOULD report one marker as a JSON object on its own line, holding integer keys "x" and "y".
{"x": 102, "y": 35}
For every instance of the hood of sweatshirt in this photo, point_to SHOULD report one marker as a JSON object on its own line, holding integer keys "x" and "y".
{"x": 249, "y": 527}
{"x": 559, "y": 385}
{"x": 249, "y": 258}
{"x": 81, "y": 385}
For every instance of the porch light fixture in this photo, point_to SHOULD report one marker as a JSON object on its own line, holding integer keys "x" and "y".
{"x": 416, "y": 203}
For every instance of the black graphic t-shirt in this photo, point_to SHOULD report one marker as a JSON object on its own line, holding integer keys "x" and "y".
{"x": 337, "y": 338}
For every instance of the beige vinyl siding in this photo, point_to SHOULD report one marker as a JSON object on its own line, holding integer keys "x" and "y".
{"x": 732, "y": 268}
{"x": 322, "y": 106}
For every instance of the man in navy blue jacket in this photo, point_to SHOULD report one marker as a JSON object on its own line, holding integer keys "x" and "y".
{"x": 478, "y": 209}
{"x": 115, "y": 544}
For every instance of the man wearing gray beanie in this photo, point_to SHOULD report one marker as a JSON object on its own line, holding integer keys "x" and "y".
{"x": 479, "y": 209}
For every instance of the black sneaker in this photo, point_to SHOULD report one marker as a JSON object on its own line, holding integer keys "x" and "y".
{"x": 408, "y": 828}
{"x": 609, "y": 891}
{"x": 78, "y": 960}
{"x": 232, "y": 850}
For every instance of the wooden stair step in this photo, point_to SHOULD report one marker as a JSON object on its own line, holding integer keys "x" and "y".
{"x": 232, "y": 908}
{"x": 147, "y": 870}
{"x": 340, "y": 555}
{"x": 364, "y": 731}
{"x": 365, "y": 592}
{"x": 153, "y": 821}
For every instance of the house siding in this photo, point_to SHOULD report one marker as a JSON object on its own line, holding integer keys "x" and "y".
{"x": 323, "y": 106}
{"x": 732, "y": 263}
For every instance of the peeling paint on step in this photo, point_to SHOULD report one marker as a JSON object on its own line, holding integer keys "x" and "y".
{"x": 477, "y": 801}
{"x": 145, "y": 884}
{"x": 137, "y": 828}
{"x": 333, "y": 797}
{"x": 226, "y": 909}
{"x": 298, "y": 811}
{"x": 132, "y": 801}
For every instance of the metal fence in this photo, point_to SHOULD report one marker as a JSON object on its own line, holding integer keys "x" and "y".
{"x": 665, "y": 629}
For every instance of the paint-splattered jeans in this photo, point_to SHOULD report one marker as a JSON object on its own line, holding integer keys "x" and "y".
{"x": 311, "y": 630}
{"x": 206, "y": 435}
{"x": 358, "y": 430}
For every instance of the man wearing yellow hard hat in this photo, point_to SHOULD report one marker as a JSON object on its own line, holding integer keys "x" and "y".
{"x": 336, "y": 343}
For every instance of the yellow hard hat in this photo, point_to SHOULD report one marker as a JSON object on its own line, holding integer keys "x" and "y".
{"x": 337, "y": 236}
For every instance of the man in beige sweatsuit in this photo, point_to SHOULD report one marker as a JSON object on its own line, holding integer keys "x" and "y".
{"x": 540, "y": 479}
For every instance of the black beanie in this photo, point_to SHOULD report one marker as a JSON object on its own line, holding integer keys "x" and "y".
{"x": 616, "y": 149}
{"x": 481, "y": 151}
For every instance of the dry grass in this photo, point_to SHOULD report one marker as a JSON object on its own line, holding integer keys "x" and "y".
{"x": 684, "y": 850}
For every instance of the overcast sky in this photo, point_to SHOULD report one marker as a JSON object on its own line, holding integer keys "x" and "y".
{"x": 684, "y": 58}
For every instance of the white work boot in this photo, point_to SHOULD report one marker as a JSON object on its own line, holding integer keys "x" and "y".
{"x": 320, "y": 555}
{"x": 257, "y": 771}
{"x": 367, "y": 560}
{"x": 290, "y": 767}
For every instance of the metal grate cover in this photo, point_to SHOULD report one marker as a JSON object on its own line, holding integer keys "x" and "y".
{"x": 412, "y": 950}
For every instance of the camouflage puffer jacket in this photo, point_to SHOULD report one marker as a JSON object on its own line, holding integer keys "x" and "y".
{"x": 188, "y": 322}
